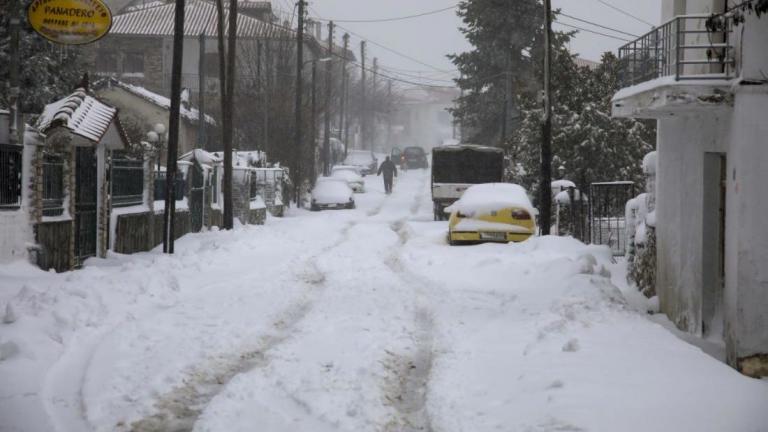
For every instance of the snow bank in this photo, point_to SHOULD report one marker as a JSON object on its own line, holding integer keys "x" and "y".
{"x": 485, "y": 198}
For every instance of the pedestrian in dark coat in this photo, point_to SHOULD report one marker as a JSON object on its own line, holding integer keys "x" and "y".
{"x": 390, "y": 170}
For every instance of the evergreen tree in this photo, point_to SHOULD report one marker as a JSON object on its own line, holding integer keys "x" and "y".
{"x": 591, "y": 144}
{"x": 47, "y": 71}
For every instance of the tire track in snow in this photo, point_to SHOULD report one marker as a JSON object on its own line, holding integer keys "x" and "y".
{"x": 178, "y": 410}
{"x": 407, "y": 385}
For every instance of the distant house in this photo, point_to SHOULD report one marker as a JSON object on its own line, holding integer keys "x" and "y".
{"x": 140, "y": 105}
{"x": 706, "y": 85}
{"x": 138, "y": 48}
{"x": 422, "y": 118}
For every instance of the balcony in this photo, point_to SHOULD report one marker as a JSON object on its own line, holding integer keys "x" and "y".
{"x": 679, "y": 65}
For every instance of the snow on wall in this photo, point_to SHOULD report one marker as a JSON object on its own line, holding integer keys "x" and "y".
{"x": 681, "y": 144}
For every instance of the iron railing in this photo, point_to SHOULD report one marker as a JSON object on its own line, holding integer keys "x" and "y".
{"x": 684, "y": 48}
{"x": 127, "y": 182}
{"x": 53, "y": 185}
{"x": 180, "y": 189}
{"x": 10, "y": 176}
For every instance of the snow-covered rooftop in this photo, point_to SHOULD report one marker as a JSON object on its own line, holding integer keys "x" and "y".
{"x": 200, "y": 17}
{"x": 188, "y": 113}
{"x": 82, "y": 114}
{"x": 485, "y": 198}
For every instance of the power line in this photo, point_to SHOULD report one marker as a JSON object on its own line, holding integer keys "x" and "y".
{"x": 405, "y": 56}
{"x": 625, "y": 12}
{"x": 598, "y": 25}
{"x": 592, "y": 31}
{"x": 380, "y": 20}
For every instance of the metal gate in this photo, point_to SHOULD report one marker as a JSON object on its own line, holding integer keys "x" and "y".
{"x": 197, "y": 197}
{"x": 86, "y": 216}
{"x": 607, "y": 207}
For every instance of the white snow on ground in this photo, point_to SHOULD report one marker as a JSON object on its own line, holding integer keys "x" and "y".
{"x": 354, "y": 320}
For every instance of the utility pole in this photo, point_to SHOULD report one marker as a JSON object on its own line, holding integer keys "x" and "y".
{"x": 314, "y": 119}
{"x": 389, "y": 113}
{"x": 327, "y": 116}
{"x": 265, "y": 99}
{"x": 374, "y": 100}
{"x": 259, "y": 84}
{"x": 298, "y": 136}
{"x": 343, "y": 127}
{"x": 545, "y": 188}
{"x": 14, "y": 91}
{"x": 228, "y": 126}
{"x": 507, "y": 88}
{"x": 201, "y": 93}
{"x": 363, "y": 132}
{"x": 173, "y": 132}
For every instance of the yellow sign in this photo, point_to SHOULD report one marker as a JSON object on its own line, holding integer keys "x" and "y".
{"x": 70, "y": 22}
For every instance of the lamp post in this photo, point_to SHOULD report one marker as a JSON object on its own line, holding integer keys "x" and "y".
{"x": 157, "y": 138}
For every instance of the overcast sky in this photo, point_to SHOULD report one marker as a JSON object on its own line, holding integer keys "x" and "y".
{"x": 429, "y": 38}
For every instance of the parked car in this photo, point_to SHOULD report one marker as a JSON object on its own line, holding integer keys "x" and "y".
{"x": 332, "y": 193}
{"x": 414, "y": 157}
{"x": 364, "y": 160}
{"x": 351, "y": 175}
{"x": 396, "y": 155}
{"x": 491, "y": 212}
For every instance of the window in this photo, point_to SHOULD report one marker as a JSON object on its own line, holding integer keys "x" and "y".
{"x": 10, "y": 176}
{"x": 133, "y": 62}
{"x": 53, "y": 185}
{"x": 127, "y": 181}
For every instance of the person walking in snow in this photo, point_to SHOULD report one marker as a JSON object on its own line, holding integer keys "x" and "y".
{"x": 390, "y": 170}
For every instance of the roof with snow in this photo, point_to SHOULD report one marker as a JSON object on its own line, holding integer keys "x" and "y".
{"x": 191, "y": 114}
{"x": 82, "y": 114}
{"x": 484, "y": 198}
{"x": 200, "y": 17}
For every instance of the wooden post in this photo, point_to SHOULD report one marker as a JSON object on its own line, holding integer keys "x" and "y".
{"x": 545, "y": 181}
{"x": 299, "y": 89}
{"x": 327, "y": 115}
{"x": 343, "y": 122}
{"x": 363, "y": 132}
{"x": 201, "y": 93}
{"x": 169, "y": 218}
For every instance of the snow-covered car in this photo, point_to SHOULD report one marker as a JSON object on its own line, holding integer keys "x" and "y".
{"x": 364, "y": 160}
{"x": 351, "y": 175}
{"x": 332, "y": 193}
{"x": 491, "y": 212}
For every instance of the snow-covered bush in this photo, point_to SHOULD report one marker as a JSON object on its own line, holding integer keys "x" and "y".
{"x": 641, "y": 232}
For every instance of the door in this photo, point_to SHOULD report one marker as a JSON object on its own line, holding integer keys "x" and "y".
{"x": 196, "y": 197}
{"x": 86, "y": 194}
{"x": 713, "y": 244}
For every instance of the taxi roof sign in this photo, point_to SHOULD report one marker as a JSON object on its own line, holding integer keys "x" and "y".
{"x": 70, "y": 22}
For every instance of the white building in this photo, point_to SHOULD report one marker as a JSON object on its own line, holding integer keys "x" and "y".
{"x": 708, "y": 89}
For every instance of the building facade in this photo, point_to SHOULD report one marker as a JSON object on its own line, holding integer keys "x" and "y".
{"x": 702, "y": 75}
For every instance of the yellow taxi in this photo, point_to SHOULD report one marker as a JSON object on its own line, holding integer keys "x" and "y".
{"x": 491, "y": 212}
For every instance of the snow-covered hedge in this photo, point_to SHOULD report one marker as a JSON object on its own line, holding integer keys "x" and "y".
{"x": 641, "y": 232}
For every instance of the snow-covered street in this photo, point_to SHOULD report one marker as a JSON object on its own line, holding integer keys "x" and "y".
{"x": 354, "y": 320}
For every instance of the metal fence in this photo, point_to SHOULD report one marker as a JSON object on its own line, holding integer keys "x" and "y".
{"x": 10, "y": 176}
{"x": 607, "y": 207}
{"x": 53, "y": 185}
{"x": 682, "y": 47}
{"x": 180, "y": 187}
{"x": 127, "y": 182}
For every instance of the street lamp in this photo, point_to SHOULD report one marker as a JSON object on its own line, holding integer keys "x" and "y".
{"x": 157, "y": 138}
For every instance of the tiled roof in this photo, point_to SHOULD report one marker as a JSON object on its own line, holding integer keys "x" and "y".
{"x": 200, "y": 17}
{"x": 82, "y": 114}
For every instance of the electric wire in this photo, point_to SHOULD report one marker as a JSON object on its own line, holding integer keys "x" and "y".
{"x": 598, "y": 25}
{"x": 591, "y": 31}
{"x": 380, "y": 20}
{"x": 624, "y": 12}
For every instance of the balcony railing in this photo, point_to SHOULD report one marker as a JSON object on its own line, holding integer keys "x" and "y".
{"x": 684, "y": 48}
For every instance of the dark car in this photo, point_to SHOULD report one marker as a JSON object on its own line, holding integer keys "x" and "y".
{"x": 414, "y": 157}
